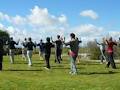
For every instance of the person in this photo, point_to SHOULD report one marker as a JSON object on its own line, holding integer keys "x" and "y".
{"x": 24, "y": 49}
{"x": 102, "y": 50}
{"x": 78, "y": 57}
{"x": 58, "y": 49}
{"x": 1, "y": 52}
{"x": 41, "y": 48}
{"x": 30, "y": 45}
{"x": 48, "y": 45}
{"x": 119, "y": 42}
{"x": 73, "y": 53}
{"x": 11, "y": 44}
{"x": 110, "y": 52}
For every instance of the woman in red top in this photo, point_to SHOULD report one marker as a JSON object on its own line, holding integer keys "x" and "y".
{"x": 110, "y": 52}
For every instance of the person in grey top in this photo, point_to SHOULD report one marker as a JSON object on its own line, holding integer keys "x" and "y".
{"x": 102, "y": 46}
{"x": 73, "y": 53}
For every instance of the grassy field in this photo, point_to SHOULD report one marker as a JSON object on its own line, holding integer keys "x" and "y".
{"x": 91, "y": 76}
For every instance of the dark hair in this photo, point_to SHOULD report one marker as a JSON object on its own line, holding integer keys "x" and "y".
{"x": 25, "y": 39}
{"x": 72, "y": 35}
{"x": 48, "y": 39}
{"x": 29, "y": 39}
{"x": 58, "y": 36}
{"x": 11, "y": 38}
{"x": 41, "y": 40}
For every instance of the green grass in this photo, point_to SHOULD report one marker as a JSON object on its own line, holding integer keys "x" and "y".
{"x": 91, "y": 76}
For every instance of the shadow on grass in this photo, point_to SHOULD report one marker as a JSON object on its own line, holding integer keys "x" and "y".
{"x": 99, "y": 73}
{"x": 22, "y": 70}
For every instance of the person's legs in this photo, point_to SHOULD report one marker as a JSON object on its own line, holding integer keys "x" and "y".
{"x": 58, "y": 55}
{"x": 61, "y": 54}
{"x": 112, "y": 61}
{"x": 1, "y": 59}
{"x": 11, "y": 53}
{"x": 73, "y": 65}
{"x": 108, "y": 60}
{"x": 101, "y": 56}
{"x": 24, "y": 54}
{"x": 29, "y": 55}
{"x": 47, "y": 57}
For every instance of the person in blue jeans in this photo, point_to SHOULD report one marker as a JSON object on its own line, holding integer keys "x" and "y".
{"x": 73, "y": 52}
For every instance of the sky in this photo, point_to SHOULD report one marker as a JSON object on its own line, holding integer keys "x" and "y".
{"x": 88, "y": 19}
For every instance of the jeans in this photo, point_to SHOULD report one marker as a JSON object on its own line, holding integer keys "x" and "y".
{"x": 73, "y": 64}
{"x": 111, "y": 61}
{"x": 29, "y": 56}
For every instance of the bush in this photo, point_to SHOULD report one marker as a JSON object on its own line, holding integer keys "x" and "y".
{"x": 94, "y": 50}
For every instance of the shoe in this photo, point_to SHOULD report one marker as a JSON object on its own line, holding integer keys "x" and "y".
{"x": 70, "y": 72}
{"x": 74, "y": 73}
{"x": 29, "y": 64}
{"x": 46, "y": 68}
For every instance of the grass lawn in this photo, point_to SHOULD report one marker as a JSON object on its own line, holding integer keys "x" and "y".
{"x": 91, "y": 76}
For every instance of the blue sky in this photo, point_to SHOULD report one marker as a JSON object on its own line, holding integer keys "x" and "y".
{"x": 107, "y": 11}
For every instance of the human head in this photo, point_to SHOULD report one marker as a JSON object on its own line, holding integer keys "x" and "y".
{"x": 58, "y": 36}
{"x": 119, "y": 38}
{"x": 110, "y": 39}
{"x": 72, "y": 35}
{"x": 29, "y": 39}
{"x": 25, "y": 39}
{"x": 48, "y": 39}
{"x": 41, "y": 40}
{"x": 11, "y": 38}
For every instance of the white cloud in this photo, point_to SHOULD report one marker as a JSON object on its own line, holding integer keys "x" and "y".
{"x": 89, "y": 13}
{"x": 88, "y": 32}
{"x": 41, "y": 17}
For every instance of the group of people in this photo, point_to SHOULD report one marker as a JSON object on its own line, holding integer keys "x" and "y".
{"x": 45, "y": 50}
{"x": 107, "y": 51}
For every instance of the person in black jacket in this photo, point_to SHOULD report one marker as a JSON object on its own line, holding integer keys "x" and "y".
{"x": 29, "y": 47}
{"x": 11, "y": 45}
{"x": 48, "y": 45}
{"x": 1, "y": 53}
{"x": 58, "y": 48}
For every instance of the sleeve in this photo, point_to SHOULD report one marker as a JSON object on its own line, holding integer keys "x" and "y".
{"x": 114, "y": 43}
{"x": 15, "y": 43}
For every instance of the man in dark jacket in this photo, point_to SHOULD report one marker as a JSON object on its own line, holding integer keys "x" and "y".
{"x": 48, "y": 45}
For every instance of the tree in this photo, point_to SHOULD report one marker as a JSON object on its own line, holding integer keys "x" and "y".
{"x": 93, "y": 50}
{"x": 4, "y": 35}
